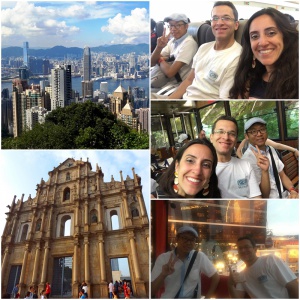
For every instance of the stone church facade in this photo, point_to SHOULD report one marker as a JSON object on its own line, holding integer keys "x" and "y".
{"x": 37, "y": 247}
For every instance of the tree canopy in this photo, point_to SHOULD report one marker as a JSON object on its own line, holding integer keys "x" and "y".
{"x": 80, "y": 126}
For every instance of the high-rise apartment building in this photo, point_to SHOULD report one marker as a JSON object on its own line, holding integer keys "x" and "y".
{"x": 104, "y": 87}
{"x": 35, "y": 115}
{"x": 19, "y": 105}
{"x": 61, "y": 83}
{"x": 143, "y": 114}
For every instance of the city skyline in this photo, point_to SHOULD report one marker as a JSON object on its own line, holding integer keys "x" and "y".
{"x": 74, "y": 24}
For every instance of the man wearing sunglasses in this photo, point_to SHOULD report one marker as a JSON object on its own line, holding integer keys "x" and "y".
{"x": 173, "y": 57}
{"x": 215, "y": 63}
{"x": 256, "y": 133}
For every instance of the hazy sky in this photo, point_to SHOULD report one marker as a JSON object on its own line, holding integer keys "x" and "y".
{"x": 74, "y": 23}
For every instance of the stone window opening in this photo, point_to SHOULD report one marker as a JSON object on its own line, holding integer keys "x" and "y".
{"x": 65, "y": 226}
{"x": 68, "y": 176}
{"x": 114, "y": 219}
{"x": 67, "y": 194}
{"x": 24, "y": 233}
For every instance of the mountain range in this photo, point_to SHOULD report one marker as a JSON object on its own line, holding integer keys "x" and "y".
{"x": 61, "y": 51}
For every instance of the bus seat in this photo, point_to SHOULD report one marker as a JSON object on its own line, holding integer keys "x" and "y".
{"x": 198, "y": 31}
{"x": 291, "y": 166}
{"x": 159, "y": 28}
{"x": 295, "y": 24}
{"x": 221, "y": 290}
{"x": 239, "y": 32}
{"x": 173, "y": 151}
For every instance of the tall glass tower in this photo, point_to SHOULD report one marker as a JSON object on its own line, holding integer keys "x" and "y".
{"x": 87, "y": 66}
{"x": 25, "y": 53}
{"x": 86, "y": 83}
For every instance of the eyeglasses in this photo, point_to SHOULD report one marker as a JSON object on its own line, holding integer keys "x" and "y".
{"x": 224, "y": 19}
{"x": 177, "y": 26}
{"x": 223, "y": 132}
{"x": 255, "y": 132}
{"x": 186, "y": 239}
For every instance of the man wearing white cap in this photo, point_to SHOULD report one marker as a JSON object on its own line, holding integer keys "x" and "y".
{"x": 183, "y": 138}
{"x": 173, "y": 58}
{"x": 171, "y": 267}
{"x": 256, "y": 133}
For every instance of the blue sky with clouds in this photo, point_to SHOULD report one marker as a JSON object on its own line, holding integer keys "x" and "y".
{"x": 74, "y": 23}
{"x": 22, "y": 170}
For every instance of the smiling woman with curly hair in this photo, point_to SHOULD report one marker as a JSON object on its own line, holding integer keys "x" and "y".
{"x": 269, "y": 63}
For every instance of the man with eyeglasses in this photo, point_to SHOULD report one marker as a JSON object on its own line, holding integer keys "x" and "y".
{"x": 256, "y": 133}
{"x": 215, "y": 63}
{"x": 172, "y": 59}
{"x": 264, "y": 277}
{"x": 236, "y": 178}
{"x": 170, "y": 269}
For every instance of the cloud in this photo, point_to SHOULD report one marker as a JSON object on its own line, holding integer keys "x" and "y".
{"x": 133, "y": 28}
{"x": 34, "y": 21}
{"x": 73, "y": 23}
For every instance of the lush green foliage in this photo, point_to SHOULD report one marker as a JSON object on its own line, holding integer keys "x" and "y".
{"x": 79, "y": 126}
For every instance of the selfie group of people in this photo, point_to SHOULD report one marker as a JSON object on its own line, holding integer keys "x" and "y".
{"x": 206, "y": 168}
{"x": 265, "y": 66}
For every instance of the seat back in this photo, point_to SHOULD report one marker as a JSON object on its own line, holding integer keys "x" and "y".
{"x": 291, "y": 166}
{"x": 221, "y": 290}
{"x": 159, "y": 28}
{"x": 200, "y": 32}
{"x": 239, "y": 33}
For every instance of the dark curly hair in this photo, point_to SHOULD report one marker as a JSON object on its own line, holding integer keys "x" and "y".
{"x": 284, "y": 80}
{"x": 166, "y": 181}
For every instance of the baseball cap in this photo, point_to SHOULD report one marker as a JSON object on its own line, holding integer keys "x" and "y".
{"x": 252, "y": 121}
{"x": 177, "y": 17}
{"x": 187, "y": 229}
{"x": 182, "y": 137}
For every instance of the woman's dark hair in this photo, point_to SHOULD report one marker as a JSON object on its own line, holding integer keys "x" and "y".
{"x": 284, "y": 80}
{"x": 166, "y": 181}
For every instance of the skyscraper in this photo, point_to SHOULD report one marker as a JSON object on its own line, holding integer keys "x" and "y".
{"x": 25, "y": 53}
{"x": 61, "y": 83}
{"x": 87, "y": 84}
{"x": 143, "y": 114}
{"x": 87, "y": 65}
